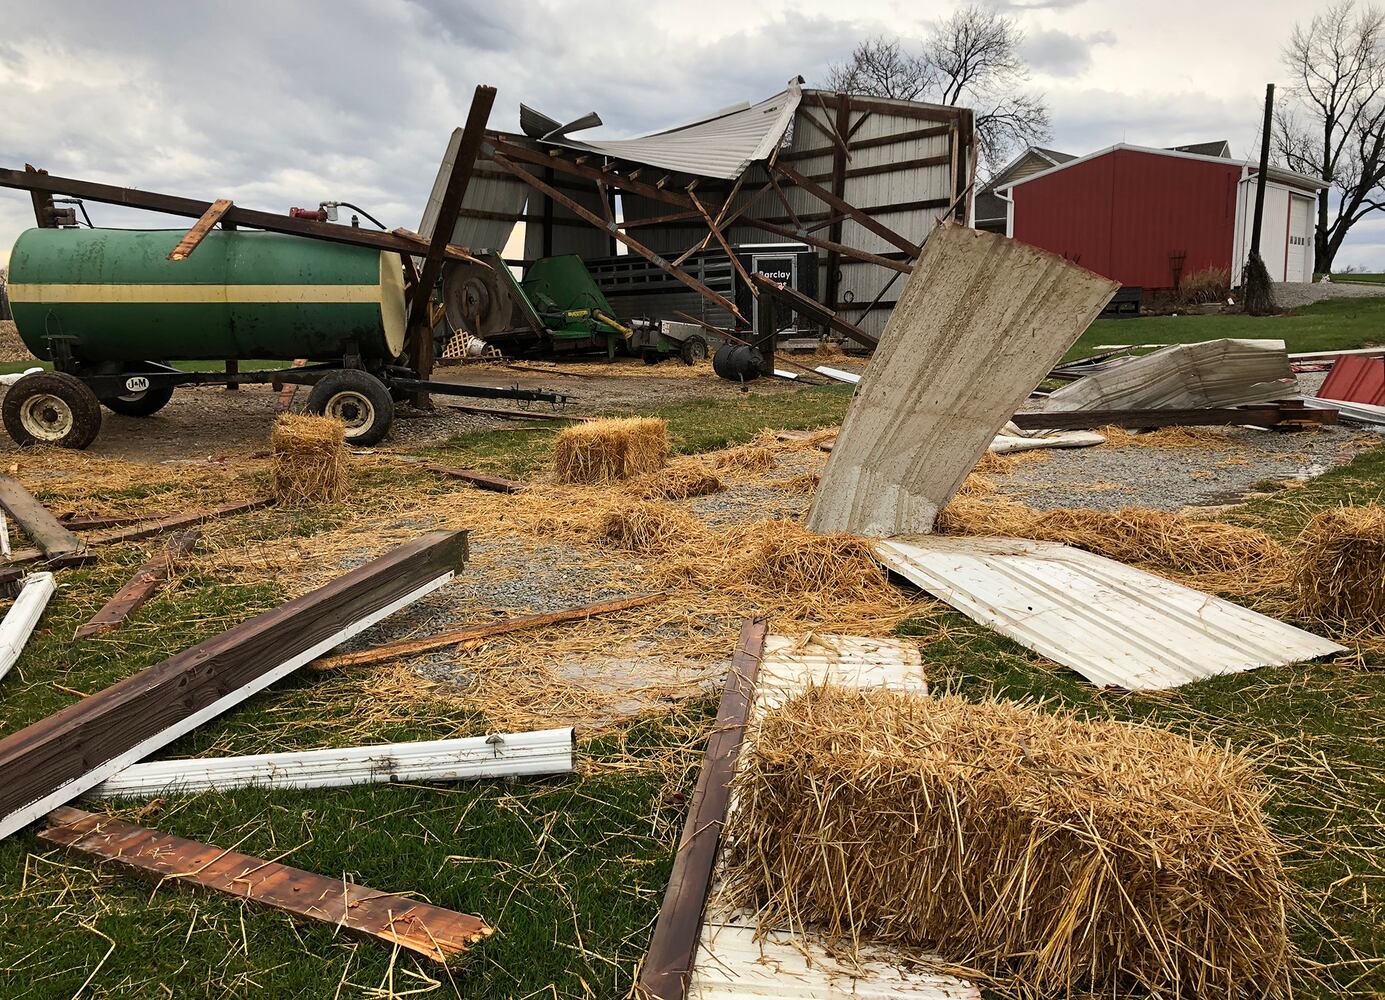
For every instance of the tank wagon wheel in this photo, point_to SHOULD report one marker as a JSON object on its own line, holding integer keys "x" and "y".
{"x": 652, "y": 357}
{"x": 142, "y": 403}
{"x": 359, "y": 400}
{"x": 694, "y": 350}
{"x": 51, "y": 408}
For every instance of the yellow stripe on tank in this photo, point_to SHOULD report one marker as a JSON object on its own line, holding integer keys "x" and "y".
{"x": 194, "y": 294}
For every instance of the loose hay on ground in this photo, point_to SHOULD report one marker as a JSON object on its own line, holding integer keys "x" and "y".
{"x": 605, "y": 451}
{"x": 1167, "y": 437}
{"x": 309, "y": 459}
{"x": 642, "y": 526}
{"x": 1070, "y": 855}
{"x": 745, "y": 459}
{"x": 679, "y": 481}
{"x": 1337, "y": 576}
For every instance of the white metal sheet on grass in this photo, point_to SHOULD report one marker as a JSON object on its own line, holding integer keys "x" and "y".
{"x": 1115, "y": 625}
{"x": 730, "y": 963}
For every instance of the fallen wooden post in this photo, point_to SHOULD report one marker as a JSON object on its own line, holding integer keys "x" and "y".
{"x": 23, "y": 616}
{"x": 420, "y": 927}
{"x": 674, "y": 942}
{"x": 139, "y": 588}
{"x": 143, "y": 529}
{"x": 412, "y": 647}
{"x": 481, "y": 480}
{"x": 58, "y": 758}
{"x": 491, "y": 411}
{"x": 78, "y": 522}
{"x": 501, "y": 755}
{"x": 1269, "y": 415}
{"x": 36, "y": 519}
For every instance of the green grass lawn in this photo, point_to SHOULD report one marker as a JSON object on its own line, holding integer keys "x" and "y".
{"x": 571, "y": 870}
{"x": 1337, "y": 324}
{"x": 1374, "y": 279}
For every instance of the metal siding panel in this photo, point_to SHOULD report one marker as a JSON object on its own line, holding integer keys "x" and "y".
{"x": 1113, "y": 624}
{"x": 1356, "y": 380}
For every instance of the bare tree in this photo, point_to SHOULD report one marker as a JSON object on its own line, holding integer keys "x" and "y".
{"x": 971, "y": 59}
{"x": 1334, "y": 126}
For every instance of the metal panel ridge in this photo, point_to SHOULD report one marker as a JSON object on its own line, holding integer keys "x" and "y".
{"x": 1115, "y": 625}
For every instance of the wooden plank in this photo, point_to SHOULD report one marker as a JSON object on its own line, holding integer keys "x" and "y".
{"x": 811, "y": 307}
{"x": 144, "y": 529}
{"x": 58, "y": 758}
{"x": 721, "y": 240}
{"x": 36, "y": 519}
{"x": 674, "y": 942}
{"x": 842, "y": 205}
{"x": 1255, "y": 416}
{"x": 42, "y": 202}
{"x": 77, "y": 522}
{"x": 428, "y": 930}
{"x": 139, "y": 588}
{"x": 495, "y": 411}
{"x": 193, "y": 238}
{"x": 412, "y": 647}
{"x": 496, "y": 484}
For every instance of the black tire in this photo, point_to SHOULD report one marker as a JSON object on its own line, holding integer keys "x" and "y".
{"x": 359, "y": 400}
{"x": 51, "y": 408}
{"x": 693, "y": 350}
{"x": 144, "y": 403}
{"x": 652, "y": 357}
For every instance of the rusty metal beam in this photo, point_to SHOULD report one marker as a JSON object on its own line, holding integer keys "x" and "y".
{"x": 420, "y": 927}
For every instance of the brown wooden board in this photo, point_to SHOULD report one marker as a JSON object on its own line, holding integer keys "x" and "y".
{"x": 482, "y": 481}
{"x": 492, "y": 411}
{"x": 139, "y": 588}
{"x": 193, "y": 238}
{"x": 421, "y": 927}
{"x": 674, "y": 942}
{"x": 36, "y": 519}
{"x": 412, "y": 647}
{"x": 54, "y": 760}
{"x": 144, "y": 529}
{"x": 1255, "y": 416}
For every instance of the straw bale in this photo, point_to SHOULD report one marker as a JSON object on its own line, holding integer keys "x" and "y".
{"x": 679, "y": 481}
{"x": 1131, "y": 534}
{"x": 309, "y": 459}
{"x": 605, "y": 451}
{"x": 1337, "y": 576}
{"x": 1070, "y": 855}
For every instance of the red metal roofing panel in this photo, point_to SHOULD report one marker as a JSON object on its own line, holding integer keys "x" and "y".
{"x": 1355, "y": 379}
{"x": 1127, "y": 214}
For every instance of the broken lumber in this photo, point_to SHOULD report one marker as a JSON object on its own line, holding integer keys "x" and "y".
{"x": 139, "y": 588}
{"x": 144, "y": 529}
{"x": 40, "y": 524}
{"x": 1270, "y": 415}
{"x": 674, "y": 942}
{"x": 23, "y": 616}
{"x": 412, "y": 647}
{"x": 501, "y": 755}
{"x": 58, "y": 758}
{"x": 420, "y": 927}
{"x": 193, "y": 238}
{"x": 481, "y": 480}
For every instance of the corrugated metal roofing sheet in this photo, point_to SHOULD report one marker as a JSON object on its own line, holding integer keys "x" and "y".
{"x": 721, "y": 146}
{"x": 504, "y": 196}
{"x": 1356, "y": 380}
{"x": 1113, "y": 624}
{"x": 732, "y": 965}
{"x": 1212, "y": 373}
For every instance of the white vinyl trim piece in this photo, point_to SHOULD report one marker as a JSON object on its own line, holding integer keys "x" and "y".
{"x": 1361, "y": 413}
{"x": 23, "y": 616}
{"x": 1115, "y": 625}
{"x": 851, "y": 378}
{"x": 548, "y": 751}
{"x": 70, "y": 790}
{"x": 730, "y": 963}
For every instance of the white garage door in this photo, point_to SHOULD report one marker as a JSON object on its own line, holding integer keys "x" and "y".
{"x": 1298, "y": 260}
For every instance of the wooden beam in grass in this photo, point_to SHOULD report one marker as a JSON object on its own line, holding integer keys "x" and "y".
{"x": 193, "y": 238}
{"x": 428, "y": 930}
{"x": 51, "y": 762}
{"x": 492, "y": 411}
{"x": 674, "y": 943}
{"x": 444, "y": 640}
{"x": 37, "y": 520}
{"x": 139, "y": 588}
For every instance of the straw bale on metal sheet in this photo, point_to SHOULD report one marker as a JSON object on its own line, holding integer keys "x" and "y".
{"x": 980, "y": 322}
{"x": 1071, "y": 855}
{"x": 1186, "y": 376}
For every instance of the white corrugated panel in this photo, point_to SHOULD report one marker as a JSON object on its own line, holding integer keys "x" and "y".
{"x": 730, "y": 963}
{"x": 499, "y": 195}
{"x": 1115, "y": 625}
{"x": 722, "y": 146}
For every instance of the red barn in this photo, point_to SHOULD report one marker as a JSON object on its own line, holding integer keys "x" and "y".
{"x": 1149, "y": 217}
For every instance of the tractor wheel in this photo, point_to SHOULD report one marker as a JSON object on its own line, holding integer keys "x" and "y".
{"x": 359, "y": 400}
{"x": 51, "y": 408}
{"x": 652, "y": 357}
{"x": 693, "y": 351}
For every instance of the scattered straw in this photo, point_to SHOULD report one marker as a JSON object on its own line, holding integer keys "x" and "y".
{"x": 1073, "y": 856}
{"x": 647, "y": 527}
{"x": 680, "y": 480}
{"x": 992, "y": 463}
{"x": 605, "y": 451}
{"x": 1167, "y": 437}
{"x": 1337, "y": 576}
{"x": 748, "y": 458}
{"x": 805, "y": 483}
{"x": 309, "y": 459}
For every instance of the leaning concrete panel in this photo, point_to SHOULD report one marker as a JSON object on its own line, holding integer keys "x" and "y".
{"x": 980, "y": 323}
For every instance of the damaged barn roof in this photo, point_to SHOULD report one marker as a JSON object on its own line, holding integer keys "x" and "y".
{"x": 720, "y": 145}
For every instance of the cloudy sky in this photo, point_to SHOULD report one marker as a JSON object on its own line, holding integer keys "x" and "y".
{"x": 293, "y": 102}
